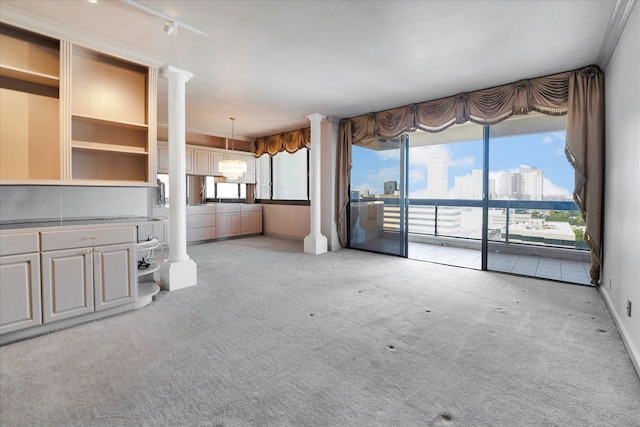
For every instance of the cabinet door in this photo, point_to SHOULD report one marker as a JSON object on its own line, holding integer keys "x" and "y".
{"x": 19, "y": 292}
{"x": 188, "y": 160}
{"x": 215, "y": 162}
{"x": 114, "y": 275}
{"x": 234, "y": 224}
{"x": 256, "y": 218}
{"x": 201, "y": 162}
{"x": 222, "y": 225}
{"x": 163, "y": 158}
{"x": 249, "y": 177}
{"x": 246, "y": 223}
{"x": 67, "y": 283}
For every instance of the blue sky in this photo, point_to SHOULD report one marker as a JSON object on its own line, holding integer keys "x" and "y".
{"x": 545, "y": 151}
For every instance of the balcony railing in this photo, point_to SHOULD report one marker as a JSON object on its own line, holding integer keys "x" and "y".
{"x": 541, "y": 223}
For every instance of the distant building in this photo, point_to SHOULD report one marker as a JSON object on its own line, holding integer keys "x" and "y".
{"x": 390, "y": 187}
{"x": 437, "y": 175}
{"x": 531, "y": 180}
{"x": 469, "y": 186}
{"x": 525, "y": 184}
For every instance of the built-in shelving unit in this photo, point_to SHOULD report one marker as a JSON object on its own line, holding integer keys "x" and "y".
{"x": 72, "y": 115}
{"x": 29, "y": 106}
{"x": 147, "y": 286}
{"x": 109, "y": 136}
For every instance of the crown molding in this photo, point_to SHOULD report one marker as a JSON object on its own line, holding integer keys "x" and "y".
{"x": 617, "y": 22}
{"x": 19, "y": 18}
{"x": 236, "y": 137}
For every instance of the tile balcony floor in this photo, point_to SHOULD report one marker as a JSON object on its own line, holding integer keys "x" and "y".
{"x": 525, "y": 265}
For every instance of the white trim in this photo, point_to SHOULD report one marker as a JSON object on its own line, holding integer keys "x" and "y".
{"x": 617, "y": 22}
{"x": 634, "y": 355}
{"x": 28, "y": 21}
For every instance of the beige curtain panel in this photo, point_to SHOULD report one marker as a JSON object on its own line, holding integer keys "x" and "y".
{"x": 579, "y": 94}
{"x": 287, "y": 141}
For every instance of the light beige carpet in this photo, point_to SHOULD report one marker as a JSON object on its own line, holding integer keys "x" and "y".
{"x": 274, "y": 337}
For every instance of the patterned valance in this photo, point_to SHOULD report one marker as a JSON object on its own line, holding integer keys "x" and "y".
{"x": 548, "y": 95}
{"x": 287, "y": 141}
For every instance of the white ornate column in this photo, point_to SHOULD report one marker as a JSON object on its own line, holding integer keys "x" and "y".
{"x": 178, "y": 270}
{"x": 315, "y": 242}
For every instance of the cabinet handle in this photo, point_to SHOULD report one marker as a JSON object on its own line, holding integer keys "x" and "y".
{"x": 88, "y": 251}
{"x": 93, "y": 237}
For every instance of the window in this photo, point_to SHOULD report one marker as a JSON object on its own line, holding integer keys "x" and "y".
{"x": 224, "y": 190}
{"x": 290, "y": 176}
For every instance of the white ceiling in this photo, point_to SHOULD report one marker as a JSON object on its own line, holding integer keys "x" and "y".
{"x": 271, "y": 63}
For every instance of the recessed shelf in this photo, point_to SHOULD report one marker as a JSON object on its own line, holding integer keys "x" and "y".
{"x": 29, "y": 76}
{"x": 113, "y": 148}
{"x": 146, "y": 291}
{"x": 107, "y": 122}
{"x": 151, "y": 269}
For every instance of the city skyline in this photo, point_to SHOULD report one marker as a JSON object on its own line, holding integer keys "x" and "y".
{"x": 508, "y": 155}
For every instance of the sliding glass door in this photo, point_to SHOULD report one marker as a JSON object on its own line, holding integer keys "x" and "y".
{"x": 445, "y": 196}
{"x": 377, "y": 214}
{"x": 485, "y": 197}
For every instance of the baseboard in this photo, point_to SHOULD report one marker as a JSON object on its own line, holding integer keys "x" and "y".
{"x": 634, "y": 355}
{"x": 284, "y": 236}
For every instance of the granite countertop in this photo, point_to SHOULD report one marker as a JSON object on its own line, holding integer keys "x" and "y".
{"x": 47, "y": 223}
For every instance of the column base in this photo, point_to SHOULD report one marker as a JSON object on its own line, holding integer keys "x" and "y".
{"x": 178, "y": 274}
{"x": 315, "y": 244}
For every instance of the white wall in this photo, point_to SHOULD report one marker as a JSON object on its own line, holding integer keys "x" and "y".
{"x": 621, "y": 248}
{"x": 287, "y": 221}
{"x": 25, "y": 202}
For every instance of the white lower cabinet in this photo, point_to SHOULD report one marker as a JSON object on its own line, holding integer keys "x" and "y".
{"x": 67, "y": 283}
{"x": 68, "y": 272}
{"x": 83, "y": 280}
{"x": 251, "y": 219}
{"x": 19, "y": 292}
{"x": 228, "y": 224}
{"x": 114, "y": 276}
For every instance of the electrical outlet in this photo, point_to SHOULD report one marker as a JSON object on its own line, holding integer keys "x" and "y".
{"x": 628, "y": 308}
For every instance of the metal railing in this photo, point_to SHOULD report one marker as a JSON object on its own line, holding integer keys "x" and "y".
{"x": 444, "y": 218}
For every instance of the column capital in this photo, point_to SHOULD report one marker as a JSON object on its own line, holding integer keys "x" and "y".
{"x": 171, "y": 71}
{"x": 316, "y": 116}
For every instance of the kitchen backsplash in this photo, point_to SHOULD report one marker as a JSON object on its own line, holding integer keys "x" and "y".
{"x": 58, "y": 202}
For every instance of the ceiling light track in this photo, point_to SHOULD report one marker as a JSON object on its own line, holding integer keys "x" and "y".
{"x": 171, "y": 24}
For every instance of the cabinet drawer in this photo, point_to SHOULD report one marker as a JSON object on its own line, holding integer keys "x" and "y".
{"x": 199, "y": 221}
{"x": 228, "y": 208}
{"x": 201, "y": 210}
{"x": 160, "y": 212}
{"x": 14, "y": 244}
{"x": 67, "y": 239}
{"x": 205, "y": 233}
{"x": 250, "y": 208}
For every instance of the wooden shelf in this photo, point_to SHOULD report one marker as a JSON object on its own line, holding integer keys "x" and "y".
{"x": 113, "y": 148}
{"x": 107, "y": 122}
{"x": 29, "y": 76}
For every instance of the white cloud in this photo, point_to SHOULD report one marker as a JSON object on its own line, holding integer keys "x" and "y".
{"x": 547, "y": 140}
{"x": 388, "y": 155}
{"x": 550, "y": 189}
{"x": 461, "y": 162}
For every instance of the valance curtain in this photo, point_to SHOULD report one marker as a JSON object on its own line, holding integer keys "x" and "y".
{"x": 287, "y": 141}
{"x": 579, "y": 94}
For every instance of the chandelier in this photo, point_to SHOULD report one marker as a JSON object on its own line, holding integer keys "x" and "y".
{"x": 232, "y": 169}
